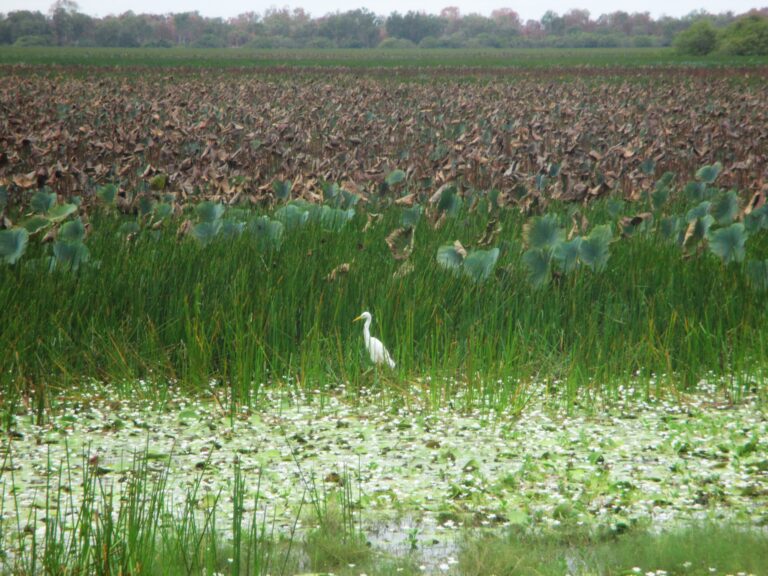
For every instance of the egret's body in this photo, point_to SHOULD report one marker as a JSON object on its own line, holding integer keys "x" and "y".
{"x": 378, "y": 353}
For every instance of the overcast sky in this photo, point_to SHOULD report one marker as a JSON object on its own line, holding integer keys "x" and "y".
{"x": 527, "y": 9}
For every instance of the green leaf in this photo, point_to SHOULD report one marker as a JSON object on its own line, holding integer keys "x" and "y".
{"x": 395, "y": 177}
{"x": 659, "y": 197}
{"x": 726, "y": 209}
{"x": 537, "y": 261}
{"x": 72, "y": 231}
{"x": 450, "y": 201}
{"x": 543, "y": 232}
{"x": 708, "y": 174}
{"x": 349, "y": 200}
{"x": 757, "y": 219}
{"x": 159, "y": 182}
{"x": 665, "y": 181}
{"x": 146, "y": 204}
{"x": 42, "y": 201}
{"x": 231, "y": 228}
{"x": 614, "y": 207}
{"x": 209, "y": 212}
{"x": 648, "y": 166}
{"x": 757, "y": 272}
{"x": 567, "y": 254}
{"x": 282, "y": 189}
{"x": 129, "y": 228}
{"x": 69, "y": 255}
{"x": 410, "y": 216}
{"x": 61, "y": 212}
{"x": 697, "y": 191}
{"x": 205, "y": 232}
{"x": 269, "y": 233}
{"x": 479, "y": 264}
{"x": 699, "y": 211}
{"x": 449, "y": 257}
{"x": 729, "y": 243}
{"x": 594, "y": 249}
{"x": 334, "y": 218}
{"x": 13, "y": 243}
{"x": 107, "y": 193}
{"x": 35, "y": 223}
{"x": 161, "y": 211}
{"x": 670, "y": 227}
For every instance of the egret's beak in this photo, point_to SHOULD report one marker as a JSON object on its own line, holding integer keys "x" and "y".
{"x": 358, "y": 318}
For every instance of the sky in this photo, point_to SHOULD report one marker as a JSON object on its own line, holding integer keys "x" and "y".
{"x": 527, "y": 9}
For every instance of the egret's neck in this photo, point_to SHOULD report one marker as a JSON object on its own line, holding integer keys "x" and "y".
{"x": 367, "y": 331}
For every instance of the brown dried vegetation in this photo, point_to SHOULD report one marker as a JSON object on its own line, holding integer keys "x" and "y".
{"x": 227, "y": 136}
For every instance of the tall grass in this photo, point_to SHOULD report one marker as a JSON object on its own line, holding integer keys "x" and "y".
{"x": 162, "y": 309}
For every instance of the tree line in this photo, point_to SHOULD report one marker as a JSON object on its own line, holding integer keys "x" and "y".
{"x": 65, "y": 25}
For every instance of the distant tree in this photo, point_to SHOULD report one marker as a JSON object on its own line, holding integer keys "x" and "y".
{"x": 747, "y": 36}
{"x": 23, "y": 23}
{"x": 353, "y": 29}
{"x": 698, "y": 40}
{"x": 413, "y": 26}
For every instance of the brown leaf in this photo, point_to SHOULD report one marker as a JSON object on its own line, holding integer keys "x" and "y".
{"x": 400, "y": 242}
{"x": 340, "y": 269}
{"x": 492, "y": 230}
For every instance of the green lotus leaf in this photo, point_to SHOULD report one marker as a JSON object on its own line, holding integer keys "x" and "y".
{"x": 708, "y": 174}
{"x": 757, "y": 272}
{"x": 42, "y": 201}
{"x": 726, "y": 208}
{"x": 449, "y": 257}
{"x": 567, "y": 254}
{"x": 61, "y": 212}
{"x": 209, "y": 212}
{"x": 107, "y": 193}
{"x": 543, "y": 232}
{"x": 450, "y": 201}
{"x": 729, "y": 243}
{"x": 537, "y": 261}
{"x": 282, "y": 189}
{"x": 72, "y": 231}
{"x": 13, "y": 243}
{"x": 35, "y": 223}
{"x": 699, "y": 211}
{"x": 395, "y": 177}
{"x": 594, "y": 249}
{"x": 479, "y": 264}
{"x": 410, "y": 216}
{"x": 69, "y": 255}
{"x": 205, "y": 232}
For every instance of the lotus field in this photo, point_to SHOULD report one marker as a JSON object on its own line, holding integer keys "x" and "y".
{"x": 568, "y": 265}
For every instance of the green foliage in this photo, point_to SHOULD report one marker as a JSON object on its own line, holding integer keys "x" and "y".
{"x": 410, "y": 216}
{"x": 566, "y": 254}
{"x": 107, "y": 193}
{"x": 537, "y": 262}
{"x": 594, "y": 249}
{"x": 13, "y": 243}
{"x": 729, "y": 243}
{"x": 479, "y": 264}
{"x": 726, "y": 208}
{"x": 449, "y": 201}
{"x": 543, "y": 232}
{"x": 708, "y": 174}
{"x": 282, "y": 189}
{"x": 209, "y": 211}
{"x": 757, "y": 272}
{"x": 61, "y": 212}
{"x": 394, "y": 178}
{"x": 698, "y": 40}
{"x": 450, "y": 257}
{"x": 42, "y": 201}
{"x": 268, "y": 232}
{"x": 748, "y": 36}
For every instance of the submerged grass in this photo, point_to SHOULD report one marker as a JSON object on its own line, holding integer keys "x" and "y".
{"x": 157, "y": 308}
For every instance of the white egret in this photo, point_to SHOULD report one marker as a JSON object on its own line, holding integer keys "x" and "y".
{"x": 379, "y": 354}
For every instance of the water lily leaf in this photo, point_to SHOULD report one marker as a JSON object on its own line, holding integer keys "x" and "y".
{"x": 543, "y": 232}
{"x": 594, "y": 249}
{"x": 699, "y": 211}
{"x": 42, "y": 201}
{"x": 205, "y": 232}
{"x": 72, "y": 231}
{"x": 61, "y": 212}
{"x": 69, "y": 255}
{"x": 537, "y": 262}
{"x": 107, "y": 193}
{"x": 282, "y": 189}
{"x": 567, "y": 254}
{"x": 395, "y": 177}
{"x": 726, "y": 209}
{"x": 35, "y": 223}
{"x": 708, "y": 174}
{"x": 450, "y": 257}
{"x": 410, "y": 216}
{"x": 729, "y": 243}
{"x": 13, "y": 243}
{"x": 479, "y": 264}
{"x": 334, "y": 218}
{"x": 162, "y": 211}
{"x": 209, "y": 211}
{"x": 757, "y": 272}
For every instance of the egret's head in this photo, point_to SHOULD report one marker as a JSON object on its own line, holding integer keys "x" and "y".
{"x": 363, "y": 316}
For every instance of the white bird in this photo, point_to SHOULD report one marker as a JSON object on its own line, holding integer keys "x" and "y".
{"x": 379, "y": 354}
